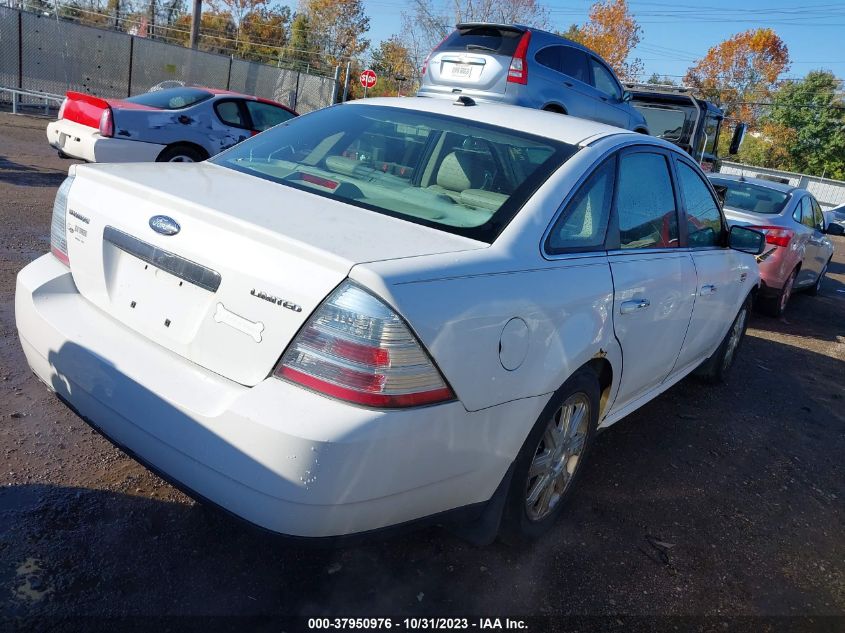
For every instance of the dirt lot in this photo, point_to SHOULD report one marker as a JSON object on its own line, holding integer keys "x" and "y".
{"x": 724, "y": 502}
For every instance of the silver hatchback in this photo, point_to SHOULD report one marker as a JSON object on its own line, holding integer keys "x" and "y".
{"x": 520, "y": 65}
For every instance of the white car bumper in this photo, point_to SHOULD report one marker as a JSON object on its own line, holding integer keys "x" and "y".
{"x": 81, "y": 141}
{"x": 276, "y": 455}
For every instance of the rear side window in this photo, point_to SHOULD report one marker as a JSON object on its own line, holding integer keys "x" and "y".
{"x": 583, "y": 224}
{"x": 574, "y": 63}
{"x": 603, "y": 80}
{"x": 645, "y": 202}
{"x": 172, "y": 98}
{"x": 704, "y": 222}
{"x": 818, "y": 213}
{"x": 807, "y": 213}
{"x": 264, "y": 116}
{"x": 482, "y": 38}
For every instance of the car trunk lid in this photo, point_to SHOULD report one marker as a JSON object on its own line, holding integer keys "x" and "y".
{"x": 87, "y": 109}
{"x": 235, "y": 264}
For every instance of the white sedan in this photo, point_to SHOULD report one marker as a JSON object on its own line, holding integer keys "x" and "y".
{"x": 386, "y": 311}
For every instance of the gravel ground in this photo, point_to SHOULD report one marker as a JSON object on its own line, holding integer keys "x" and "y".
{"x": 709, "y": 501}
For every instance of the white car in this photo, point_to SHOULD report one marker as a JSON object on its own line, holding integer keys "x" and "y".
{"x": 386, "y": 311}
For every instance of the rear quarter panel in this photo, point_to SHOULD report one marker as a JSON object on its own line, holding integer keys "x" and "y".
{"x": 198, "y": 125}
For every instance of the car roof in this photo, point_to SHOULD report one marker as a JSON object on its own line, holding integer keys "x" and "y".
{"x": 567, "y": 129}
{"x": 762, "y": 182}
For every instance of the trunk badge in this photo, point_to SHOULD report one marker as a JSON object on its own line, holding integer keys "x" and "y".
{"x": 164, "y": 225}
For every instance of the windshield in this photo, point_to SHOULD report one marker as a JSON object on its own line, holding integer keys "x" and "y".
{"x": 452, "y": 174}
{"x": 172, "y": 98}
{"x": 673, "y": 123}
{"x": 746, "y": 196}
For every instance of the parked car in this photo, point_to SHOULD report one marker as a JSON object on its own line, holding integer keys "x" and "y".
{"x": 182, "y": 124}
{"x": 834, "y": 220}
{"x": 387, "y": 311}
{"x": 520, "y": 65}
{"x": 797, "y": 250}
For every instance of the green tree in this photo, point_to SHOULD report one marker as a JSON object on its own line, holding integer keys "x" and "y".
{"x": 301, "y": 51}
{"x": 392, "y": 60}
{"x": 814, "y": 110}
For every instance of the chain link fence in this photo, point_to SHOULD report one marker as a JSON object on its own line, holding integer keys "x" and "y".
{"x": 43, "y": 54}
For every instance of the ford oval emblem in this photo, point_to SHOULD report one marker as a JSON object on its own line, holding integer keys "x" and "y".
{"x": 164, "y": 225}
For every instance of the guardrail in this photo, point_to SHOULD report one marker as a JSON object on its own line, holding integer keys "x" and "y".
{"x": 47, "y": 97}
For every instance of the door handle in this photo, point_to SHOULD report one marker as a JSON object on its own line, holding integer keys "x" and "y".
{"x": 707, "y": 289}
{"x": 632, "y": 306}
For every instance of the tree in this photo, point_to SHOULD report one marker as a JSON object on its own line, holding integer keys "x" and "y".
{"x": 741, "y": 71}
{"x": 337, "y": 28}
{"x": 612, "y": 32}
{"x": 239, "y": 10}
{"x": 392, "y": 60}
{"x": 661, "y": 80}
{"x": 814, "y": 112}
{"x": 300, "y": 51}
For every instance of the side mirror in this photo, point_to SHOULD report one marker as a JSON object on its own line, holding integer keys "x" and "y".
{"x": 746, "y": 240}
{"x": 835, "y": 229}
{"x": 627, "y": 96}
{"x": 738, "y": 137}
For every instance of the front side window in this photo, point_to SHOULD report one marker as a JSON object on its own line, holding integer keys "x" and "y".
{"x": 645, "y": 202}
{"x": 604, "y": 81}
{"x": 704, "y": 222}
{"x": 450, "y": 173}
{"x": 583, "y": 224}
{"x": 264, "y": 116}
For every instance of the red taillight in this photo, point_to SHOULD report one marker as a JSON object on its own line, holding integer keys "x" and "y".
{"x": 776, "y": 235}
{"x": 58, "y": 225}
{"x": 355, "y": 348}
{"x": 106, "y": 123}
{"x": 62, "y": 108}
{"x": 518, "y": 71}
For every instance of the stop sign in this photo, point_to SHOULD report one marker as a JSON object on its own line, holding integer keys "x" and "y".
{"x": 368, "y": 78}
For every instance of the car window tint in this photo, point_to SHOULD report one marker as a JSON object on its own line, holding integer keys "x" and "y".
{"x": 230, "y": 113}
{"x": 574, "y": 63}
{"x": 704, "y": 222}
{"x": 481, "y": 38}
{"x": 264, "y": 116}
{"x": 818, "y": 214}
{"x": 746, "y": 196}
{"x": 645, "y": 202}
{"x": 549, "y": 57}
{"x": 603, "y": 80}
{"x": 583, "y": 223}
{"x": 807, "y": 212}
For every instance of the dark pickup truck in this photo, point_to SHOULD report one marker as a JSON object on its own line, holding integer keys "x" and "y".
{"x": 675, "y": 114}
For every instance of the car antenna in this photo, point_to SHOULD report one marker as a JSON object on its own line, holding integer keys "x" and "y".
{"x": 463, "y": 100}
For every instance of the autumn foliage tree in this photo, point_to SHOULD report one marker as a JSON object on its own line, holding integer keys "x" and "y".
{"x": 395, "y": 68}
{"x": 741, "y": 72}
{"x": 612, "y": 32}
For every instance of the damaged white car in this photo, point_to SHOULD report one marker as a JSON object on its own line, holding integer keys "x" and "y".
{"x": 386, "y": 312}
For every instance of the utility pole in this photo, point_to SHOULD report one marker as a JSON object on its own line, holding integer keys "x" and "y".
{"x": 196, "y": 18}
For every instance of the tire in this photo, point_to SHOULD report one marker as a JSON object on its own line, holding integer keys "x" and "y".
{"x": 180, "y": 153}
{"x": 524, "y": 520}
{"x": 716, "y": 368}
{"x": 554, "y": 109}
{"x": 776, "y": 306}
{"x": 816, "y": 287}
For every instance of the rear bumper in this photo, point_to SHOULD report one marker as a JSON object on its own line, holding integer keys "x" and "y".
{"x": 775, "y": 269}
{"x": 279, "y": 456}
{"x": 83, "y": 142}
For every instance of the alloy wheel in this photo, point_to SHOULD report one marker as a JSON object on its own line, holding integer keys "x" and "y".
{"x": 786, "y": 292}
{"x": 181, "y": 158}
{"x": 556, "y": 456}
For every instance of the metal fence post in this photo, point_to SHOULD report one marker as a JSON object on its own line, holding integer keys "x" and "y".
{"x": 229, "y": 74}
{"x": 296, "y": 91}
{"x": 336, "y": 83}
{"x": 20, "y": 63}
{"x": 346, "y": 82}
{"x": 131, "y": 55}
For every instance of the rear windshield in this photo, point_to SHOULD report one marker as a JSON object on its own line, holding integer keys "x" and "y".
{"x": 746, "y": 196}
{"x": 482, "y": 38}
{"x": 452, "y": 174}
{"x": 172, "y": 98}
